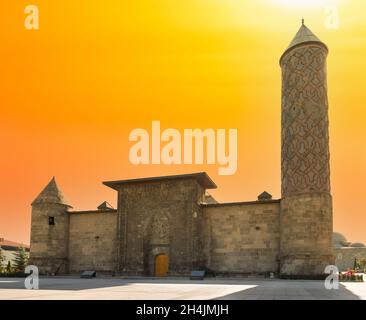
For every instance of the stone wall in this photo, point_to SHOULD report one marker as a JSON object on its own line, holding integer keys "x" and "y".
{"x": 242, "y": 238}
{"x": 345, "y": 257}
{"x": 92, "y": 241}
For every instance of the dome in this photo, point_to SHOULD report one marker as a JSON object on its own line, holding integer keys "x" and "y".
{"x": 339, "y": 240}
{"x": 338, "y": 237}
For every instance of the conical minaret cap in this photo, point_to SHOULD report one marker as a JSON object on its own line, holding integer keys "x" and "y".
{"x": 51, "y": 194}
{"x": 304, "y": 35}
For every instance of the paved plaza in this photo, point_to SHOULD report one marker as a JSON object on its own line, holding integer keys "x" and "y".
{"x": 61, "y": 288}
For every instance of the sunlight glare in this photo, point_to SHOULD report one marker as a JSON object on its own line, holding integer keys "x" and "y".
{"x": 302, "y": 3}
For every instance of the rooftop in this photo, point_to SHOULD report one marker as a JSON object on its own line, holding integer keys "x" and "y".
{"x": 51, "y": 194}
{"x": 9, "y": 245}
{"x": 202, "y": 178}
{"x": 304, "y": 35}
{"x": 226, "y": 204}
{"x": 105, "y": 206}
{"x": 93, "y": 211}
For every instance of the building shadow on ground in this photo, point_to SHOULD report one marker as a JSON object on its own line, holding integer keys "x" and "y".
{"x": 297, "y": 290}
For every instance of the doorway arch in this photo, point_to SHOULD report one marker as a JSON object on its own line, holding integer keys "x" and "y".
{"x": 161, "y": 265}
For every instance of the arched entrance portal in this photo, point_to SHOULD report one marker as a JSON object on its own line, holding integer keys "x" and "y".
{"x": 161, "y": 265}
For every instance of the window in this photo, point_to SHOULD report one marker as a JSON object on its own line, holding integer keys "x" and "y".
{"x": 51, "y": 221}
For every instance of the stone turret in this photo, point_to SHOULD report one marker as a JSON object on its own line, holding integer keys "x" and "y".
{"x": 50, "y": 230}
{"x": 306, "y": 205}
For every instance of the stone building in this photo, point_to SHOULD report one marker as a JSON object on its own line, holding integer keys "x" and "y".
{"x": 347, "y": 252}
{"x": 9, "y": 250}
{"x": 170, "y": 226}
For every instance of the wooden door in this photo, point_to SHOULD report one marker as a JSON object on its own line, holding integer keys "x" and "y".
{"x": 161, "y": 265}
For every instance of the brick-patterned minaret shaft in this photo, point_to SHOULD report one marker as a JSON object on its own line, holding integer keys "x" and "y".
{"x": 306, "y": 205}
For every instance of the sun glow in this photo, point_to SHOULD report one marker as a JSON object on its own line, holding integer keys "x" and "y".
{"x": 303, "y": 3}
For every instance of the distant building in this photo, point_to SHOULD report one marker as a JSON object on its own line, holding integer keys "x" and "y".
{"x": 9, "y": 248}
{"x": 346, "y": 252}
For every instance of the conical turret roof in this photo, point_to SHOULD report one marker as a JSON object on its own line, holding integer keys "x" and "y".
{"x": 304, "y": 35}
{"x": 265, "y": 196}
{"x": 51, "y": 194}
{"x": 105, "y": 206}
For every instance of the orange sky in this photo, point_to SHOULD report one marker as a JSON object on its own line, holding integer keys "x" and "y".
{"x": 71, "y": 92}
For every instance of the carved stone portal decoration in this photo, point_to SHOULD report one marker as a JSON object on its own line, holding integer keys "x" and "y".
{"x": 305, "y": 147}
{"x": 160, "y": 229}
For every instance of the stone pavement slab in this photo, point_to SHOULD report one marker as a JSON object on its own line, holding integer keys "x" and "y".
{"x": 72, "y": 288}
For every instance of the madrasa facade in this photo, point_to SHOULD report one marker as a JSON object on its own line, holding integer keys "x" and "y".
{"x": 170, "y": 225}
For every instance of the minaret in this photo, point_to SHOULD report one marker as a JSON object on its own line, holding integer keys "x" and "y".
{"x": 50, "y": 230}
{"x": 306, "y": 205}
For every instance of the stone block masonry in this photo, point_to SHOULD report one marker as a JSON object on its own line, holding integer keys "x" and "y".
{"x": 243, "y": 238}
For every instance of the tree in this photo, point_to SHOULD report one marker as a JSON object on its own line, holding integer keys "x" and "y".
{"x": 20, "y": 260}
{"x": 2, "y": 260}
{"x": 362, "y": 263}
{"x": 9, "y": 268}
